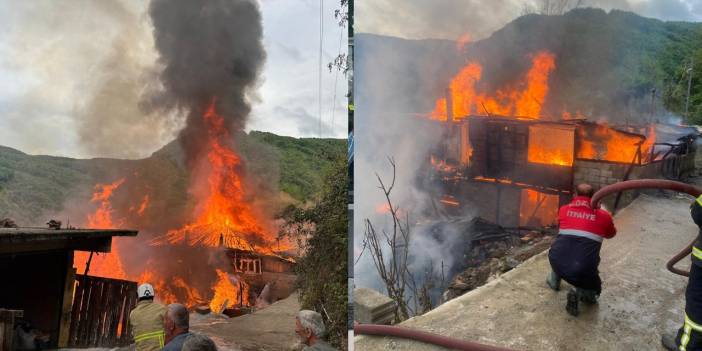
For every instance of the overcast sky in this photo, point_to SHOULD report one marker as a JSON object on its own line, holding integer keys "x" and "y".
{"x": 63, "y": 64}
{"x": 450, "y": 19}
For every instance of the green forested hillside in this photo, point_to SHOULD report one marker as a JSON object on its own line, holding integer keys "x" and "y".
{"x": 606, "y": 65}
{"x": 303, "y": 162}
{"x": 32, "y": 188}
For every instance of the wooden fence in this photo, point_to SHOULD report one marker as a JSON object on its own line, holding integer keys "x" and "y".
{"x": 7, "y": 328}
{"x": 100, "y": 315}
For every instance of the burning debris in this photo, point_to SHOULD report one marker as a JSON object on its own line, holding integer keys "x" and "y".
{"x": 490, "y": 257}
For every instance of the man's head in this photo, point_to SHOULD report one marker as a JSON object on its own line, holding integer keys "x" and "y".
{"x": 584, "y": 189}
{"x": 176, "y": 321}
{"x": 309, "y": 326}
{"x": 199, "y": 342}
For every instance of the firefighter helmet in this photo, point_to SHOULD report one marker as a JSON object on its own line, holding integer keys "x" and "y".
{"x": 145, "y": 290}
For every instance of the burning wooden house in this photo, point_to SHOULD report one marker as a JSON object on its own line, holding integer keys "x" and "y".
{"x": 252, "y": 261}
{"x": 64, "y": 308}
{"x": 518, "y": 166}
{"x": 260, "y": 269}
{"x": 518, "y": 171}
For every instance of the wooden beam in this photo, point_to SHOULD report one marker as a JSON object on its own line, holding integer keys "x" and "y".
{"x": 92, "y": 244}
{"x": 67, "y": 303}
{"x": 18, "y": 240}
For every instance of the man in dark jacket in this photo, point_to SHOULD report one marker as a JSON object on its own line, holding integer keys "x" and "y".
{"x": 176, "y": 324}
{"x": 575, "y": 254}
{"x": 689, "y": 336}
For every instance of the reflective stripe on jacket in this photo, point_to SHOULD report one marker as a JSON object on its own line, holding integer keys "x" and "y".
{"x": 146, "y": 323}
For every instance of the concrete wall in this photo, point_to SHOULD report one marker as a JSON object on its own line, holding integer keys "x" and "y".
{"x": 600, "y": 174}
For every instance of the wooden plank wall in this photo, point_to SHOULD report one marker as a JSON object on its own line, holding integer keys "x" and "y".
{"x": 67, "y": 303}
{"x": 7, "y": 328}
{"x": 100, "y": 315}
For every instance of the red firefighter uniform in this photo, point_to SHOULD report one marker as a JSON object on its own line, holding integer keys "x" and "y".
{"x": 575, "y": 254}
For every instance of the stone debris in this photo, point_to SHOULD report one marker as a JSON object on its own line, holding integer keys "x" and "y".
{"x": 489, "y": 259}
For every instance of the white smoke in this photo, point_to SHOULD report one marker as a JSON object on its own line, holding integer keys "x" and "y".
{"x": 389, "y": 124}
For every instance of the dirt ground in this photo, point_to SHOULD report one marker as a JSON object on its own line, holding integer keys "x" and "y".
{"x": 272, "y": 328}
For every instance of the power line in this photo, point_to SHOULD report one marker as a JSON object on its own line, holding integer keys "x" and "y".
{"x": 319, "y": 82}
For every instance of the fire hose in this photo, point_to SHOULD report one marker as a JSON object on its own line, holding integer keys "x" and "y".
{"x": 451, "y": 343}
{"x": 653, "y": 184}
{"x": 422, "y": 336}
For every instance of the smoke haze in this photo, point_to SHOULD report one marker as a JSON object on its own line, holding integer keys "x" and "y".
{"x": 449, "y": 19}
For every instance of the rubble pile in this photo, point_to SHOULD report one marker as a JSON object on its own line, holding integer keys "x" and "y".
{"x": 496, "y": 253}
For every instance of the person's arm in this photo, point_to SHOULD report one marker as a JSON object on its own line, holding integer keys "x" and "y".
{"x": 611, "y": 229}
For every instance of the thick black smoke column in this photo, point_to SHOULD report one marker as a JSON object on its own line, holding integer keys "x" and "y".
{"x": 208, "y": 49}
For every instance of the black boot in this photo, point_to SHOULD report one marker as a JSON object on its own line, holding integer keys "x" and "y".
{"x": 572, "y": 304}
{"x": 588, "y": 296}
{"x": 553, "y": 281}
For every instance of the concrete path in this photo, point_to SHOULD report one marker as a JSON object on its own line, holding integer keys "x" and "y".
{"x": 640, "y": 298}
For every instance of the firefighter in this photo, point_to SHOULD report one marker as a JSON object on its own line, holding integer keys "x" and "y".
{"x": 146, "y": 320}
{"x": 689, "y": 336}
{"x": 575, "y": 254}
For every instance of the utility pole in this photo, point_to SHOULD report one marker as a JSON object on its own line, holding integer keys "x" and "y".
{"x": 689, "y": 85}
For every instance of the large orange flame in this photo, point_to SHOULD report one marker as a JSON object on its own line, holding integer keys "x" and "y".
{"x": 525, "y": 98}
{"x": 225, "y": 217}
{"x": 228, "y": 291}
{"x": 604, "y": 143}
{"x": 104, "y": 265}
{"x": 549, "y": 144}
{"x": 102, "y": 218}
{"x": 537, "y": 209}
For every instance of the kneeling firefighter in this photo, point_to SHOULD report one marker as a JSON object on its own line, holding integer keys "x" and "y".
{"x": 575, "y": 254}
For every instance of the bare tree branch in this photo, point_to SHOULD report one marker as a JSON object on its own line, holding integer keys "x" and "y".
{"x": 390, "y": 251}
